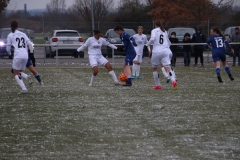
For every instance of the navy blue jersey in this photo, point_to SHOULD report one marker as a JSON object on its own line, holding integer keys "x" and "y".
{"x": 127, "y": 41}
{"x": 217, "y": 43}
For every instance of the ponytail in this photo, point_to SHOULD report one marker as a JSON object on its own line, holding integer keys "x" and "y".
{"x": 218, "y": 31}
{"x": 158, "y": 23}
{"x": 14, "y": 26}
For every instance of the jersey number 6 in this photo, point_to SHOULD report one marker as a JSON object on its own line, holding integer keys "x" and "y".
{"x": 161, "y": 39}
{"x": 20, "y": 45}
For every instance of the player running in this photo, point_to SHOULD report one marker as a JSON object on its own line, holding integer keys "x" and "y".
{"x": 19, "y": 41}
{"x": 141, "y": 40}
{"x": 129, "y": 44}
{"x": 161, "y": 54}
{"x": 217, "y": 41}
{"x": 94, "y": 45}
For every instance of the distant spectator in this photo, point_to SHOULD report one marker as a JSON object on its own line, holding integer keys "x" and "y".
{"x": 198, "y": 37}
{"x": 187, "y": 49}
{"x": 236, "y": 47}
{"x": 173, "y": 39}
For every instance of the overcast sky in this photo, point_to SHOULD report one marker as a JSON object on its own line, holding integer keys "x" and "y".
{"x": 41, "y": 4}
{"x": 32, "y": 4}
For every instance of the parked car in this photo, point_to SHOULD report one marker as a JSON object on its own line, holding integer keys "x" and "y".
{"x": 180, "y": 32}
{"x": 112, "y": 37}
{"x": 229, "y": 32}
{"x": 4, "y": 32}
{"x": 64, "y": 37}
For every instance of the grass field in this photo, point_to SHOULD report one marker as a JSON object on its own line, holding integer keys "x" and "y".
{"x": 67, "y": 119}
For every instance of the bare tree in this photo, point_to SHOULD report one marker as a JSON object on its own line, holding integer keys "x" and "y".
{"x": 101, "y": 9}
{"x": 56, "y": 6}
{"x": 3, "y": 5}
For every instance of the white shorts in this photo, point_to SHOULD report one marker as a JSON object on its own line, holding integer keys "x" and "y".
{"x": 19, "y": 63}
{"x": 138, "y": 58}
{"x": 97, "y": 59}
{"x": 163, "y": 57}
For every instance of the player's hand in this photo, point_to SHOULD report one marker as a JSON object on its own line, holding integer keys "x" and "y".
{"x": 232, "y": 51}
{"x": 149, "y": 52}
{"x": 78, "y": 50}
{"x": 135, "y": 44}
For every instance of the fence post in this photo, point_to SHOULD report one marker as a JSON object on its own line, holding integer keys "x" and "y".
{"x": 57, "y": 56}
{"x": 113, "y": 57}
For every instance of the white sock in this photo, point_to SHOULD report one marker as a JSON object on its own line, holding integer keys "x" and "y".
{"x": 172, "y": 77}
{"x": 164, "y": 72}
{"x": 156, "y": 78}
{"x": 23, "y": 75}
{"x": 20, "y": 82}
{"x": 173, "y": 72}
{"x": 134, "y": 69}
{"x": 92, "y": 79}
{"x": 137, "y": 70}
{"x": 114, "y": 77}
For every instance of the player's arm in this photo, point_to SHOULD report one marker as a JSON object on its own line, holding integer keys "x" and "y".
{"x": 8, "y": 48}
{"x": 152, "y": 39}
{"x": 145, "y": 42}
{"x": 228, "y": 45}
{"x": 85, "y": 45}
{"x": 29, "y": 44}
{"x": 106, "y": 43}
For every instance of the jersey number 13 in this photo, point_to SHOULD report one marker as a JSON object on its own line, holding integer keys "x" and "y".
{"x": 219, "y": 43}
{"x": 21, "y": 42}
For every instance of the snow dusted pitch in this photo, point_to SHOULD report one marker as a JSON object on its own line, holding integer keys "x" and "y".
{"x": 67, "y": 119}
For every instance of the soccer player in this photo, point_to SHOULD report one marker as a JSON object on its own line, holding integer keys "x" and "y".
{"x": 141, "y": 40}
{"x": 217, "y": 41}
{"x": 161, "y": 54}
{"x": 129, "y": 44}
{"x": 94, "y": 45}
{"x": 19, "y": 41}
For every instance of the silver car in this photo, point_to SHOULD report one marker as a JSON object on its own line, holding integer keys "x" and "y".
{"x": 59, "y": 37}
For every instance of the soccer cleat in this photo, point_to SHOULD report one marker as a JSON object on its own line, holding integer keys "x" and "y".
{"x": 167, "y": 80}
{"x": 231, "y": 77}
{"x": 127, "y": 84}
{"x": 118, "y": 84}
{"x": 139, "y": 77}
{"x": 41, "y": 83}
{"x": 175, "y": 85}
{"x": 30, "y": 81}
{"x": 23, "y": 92}
{"x": 219, "y": 79}
{"x": 156, "y": 87}
{"x": 90, "y": 84}
{"x": 133, "y": 77}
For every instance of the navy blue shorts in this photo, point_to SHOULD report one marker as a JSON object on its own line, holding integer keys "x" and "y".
{"x": 129, "y": 59}
{"x": 219, "y": 57}
{"x": 29, "y": 63}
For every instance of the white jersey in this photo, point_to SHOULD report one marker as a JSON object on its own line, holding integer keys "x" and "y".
{"x": 159, "y": 39}
{"x": 141, "y": 40}
{"x": 20, "y": 42}
{"x": 94, "y": 45}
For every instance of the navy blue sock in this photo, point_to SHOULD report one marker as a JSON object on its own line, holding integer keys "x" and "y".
{"x": 37, "y": 76}
{"x": 227, "y": 69}
{"x": 218, "y": 71}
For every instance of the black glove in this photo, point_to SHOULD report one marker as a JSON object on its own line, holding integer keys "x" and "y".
{"x": 135, "y": 44}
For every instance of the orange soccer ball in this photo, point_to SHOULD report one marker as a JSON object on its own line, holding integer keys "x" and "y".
{"x": 123, "y": 77}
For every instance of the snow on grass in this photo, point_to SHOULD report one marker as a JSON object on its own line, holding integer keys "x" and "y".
{"x": 67, "y": 119}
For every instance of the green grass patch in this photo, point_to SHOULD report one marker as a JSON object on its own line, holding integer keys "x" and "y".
{"x": 67, "y": 119}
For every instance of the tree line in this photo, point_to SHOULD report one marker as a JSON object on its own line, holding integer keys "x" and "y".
{"x": 78, "y": 16}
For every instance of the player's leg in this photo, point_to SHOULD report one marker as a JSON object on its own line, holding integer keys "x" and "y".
{"x": 18, "y": 66}
{"x": 155, "y": 60}
{"x": 166, "y": 63}
{"x": 111, "y": 73}
{"x": 35, "y": 73}
{"x": 165, "y": 74}
{"x": 134, "y": 67}
{"x": 94, "y": 65}
{"x": 138, "y": 68}
{"x": 218, "y": 70}
{"x": 127, "y": 69}
{"x": 227, "y": 69}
